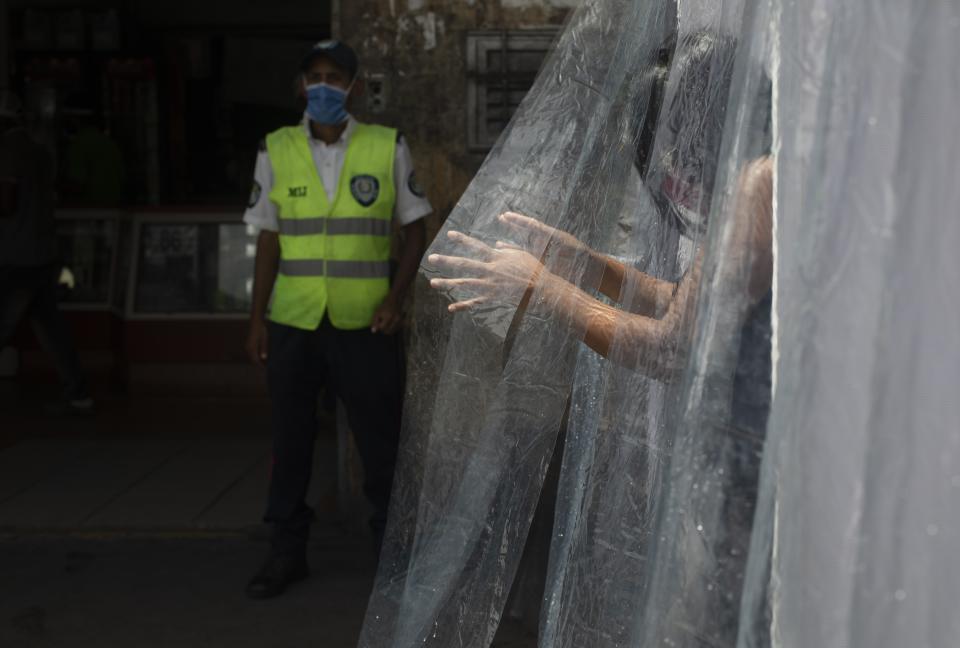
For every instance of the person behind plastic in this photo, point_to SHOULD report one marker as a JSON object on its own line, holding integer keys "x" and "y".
{"x": 647, "y": 331}
{"x": 650, "y": 328}
{"x": 29, "y": 272}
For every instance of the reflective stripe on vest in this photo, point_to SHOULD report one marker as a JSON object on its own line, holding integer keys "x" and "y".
{"x": 338, "y": 226}
{"x": 334, "y": 253}
{"x": 337, "y": 269}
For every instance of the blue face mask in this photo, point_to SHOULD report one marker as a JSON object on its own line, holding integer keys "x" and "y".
{"x": 327, "y": 104}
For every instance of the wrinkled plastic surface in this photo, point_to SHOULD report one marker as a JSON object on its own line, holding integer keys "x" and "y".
{"x": 862, "y": 474}
{"x": 659, "y": 503}
{"x": 487, "y": 390}
{"x": 655, "y": 510}
{"x": 653, "y": 452}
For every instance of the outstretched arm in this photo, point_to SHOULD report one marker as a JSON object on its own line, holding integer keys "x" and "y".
{"x": 649, "y": 295}
{"x": 505, "y": 273}
{"x": 643, "y": 342}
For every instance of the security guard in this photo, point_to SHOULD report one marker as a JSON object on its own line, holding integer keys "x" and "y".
{"x": 325, "y": 196}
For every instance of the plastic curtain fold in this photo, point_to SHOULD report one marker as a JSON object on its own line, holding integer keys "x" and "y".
{"x": 487, "y": 390}
{"x": 855, "y": 543}
{"x": 658, "y": 489}
{"x": 643, "y": 137}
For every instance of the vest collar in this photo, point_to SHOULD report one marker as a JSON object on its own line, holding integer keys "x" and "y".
{"x": 344, "y": 136}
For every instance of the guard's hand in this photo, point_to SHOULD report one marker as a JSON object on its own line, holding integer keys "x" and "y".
{"x": 388, "y": 317}
{"x": 257, "y": 342}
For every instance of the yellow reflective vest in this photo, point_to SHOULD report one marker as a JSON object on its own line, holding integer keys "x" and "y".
{"x": 334, "y": 255}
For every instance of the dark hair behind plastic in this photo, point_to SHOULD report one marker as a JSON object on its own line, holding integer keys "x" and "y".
{"x": 647, "y": 118}
{"x": 694, "y": 122}
{"x": 684, "y": 136}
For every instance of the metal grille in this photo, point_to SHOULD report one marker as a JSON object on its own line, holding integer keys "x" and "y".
{"x": 502, "y": 66}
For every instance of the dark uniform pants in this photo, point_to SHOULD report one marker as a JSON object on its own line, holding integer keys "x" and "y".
{"x": 31, "y": 292}
{"x": 363, "y": 369}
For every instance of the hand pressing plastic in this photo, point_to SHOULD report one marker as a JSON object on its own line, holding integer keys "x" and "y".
{"x": 565, "y": 255}
{"x": 559, "y": 249}
{"x": 499, "y": 274}
{"x": 504, "y": 274}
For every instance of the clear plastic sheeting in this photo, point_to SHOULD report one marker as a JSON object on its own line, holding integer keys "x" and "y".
{"x": 632, "y": 302}
{"x": 487, "y": 389}
{"x": 856, "y": 541}
{"x": 706, "y": 498}
{"x": 660, "y": 475}
{"x": 627, "y": 147}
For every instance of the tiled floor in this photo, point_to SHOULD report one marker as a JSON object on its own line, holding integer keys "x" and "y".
{"x": 180, "y": 593}
{"x": 140, "y": 526}
{"x": 65, "y": 592}
{"x": 90, "y": 484}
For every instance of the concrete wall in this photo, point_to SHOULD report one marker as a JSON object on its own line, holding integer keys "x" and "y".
{"x": 420, "y": 48}
{"x": 218, "y": 13}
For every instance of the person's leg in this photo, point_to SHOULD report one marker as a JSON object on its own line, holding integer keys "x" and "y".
{"x": 367, "y": 370}
{"x": 54, "y": 336}
{"x": 295, "y": 375}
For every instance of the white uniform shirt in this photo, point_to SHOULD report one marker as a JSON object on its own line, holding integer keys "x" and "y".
{"x": 410, "y": 205}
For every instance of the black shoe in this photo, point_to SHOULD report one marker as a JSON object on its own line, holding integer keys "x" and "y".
{"x": 276, "y": 574}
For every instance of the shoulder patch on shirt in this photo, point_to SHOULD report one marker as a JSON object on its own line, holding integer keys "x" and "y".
{"x": 255, "y": 194}
{"x": 414, "y": 186}
{"x": 365, "y": 189}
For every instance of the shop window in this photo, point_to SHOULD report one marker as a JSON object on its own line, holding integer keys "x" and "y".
{"x": 501, "y": 66}
{"x": 193, "y": 268}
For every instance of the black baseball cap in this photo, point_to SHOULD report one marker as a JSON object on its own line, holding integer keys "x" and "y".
{"x": 340, "y": 53}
